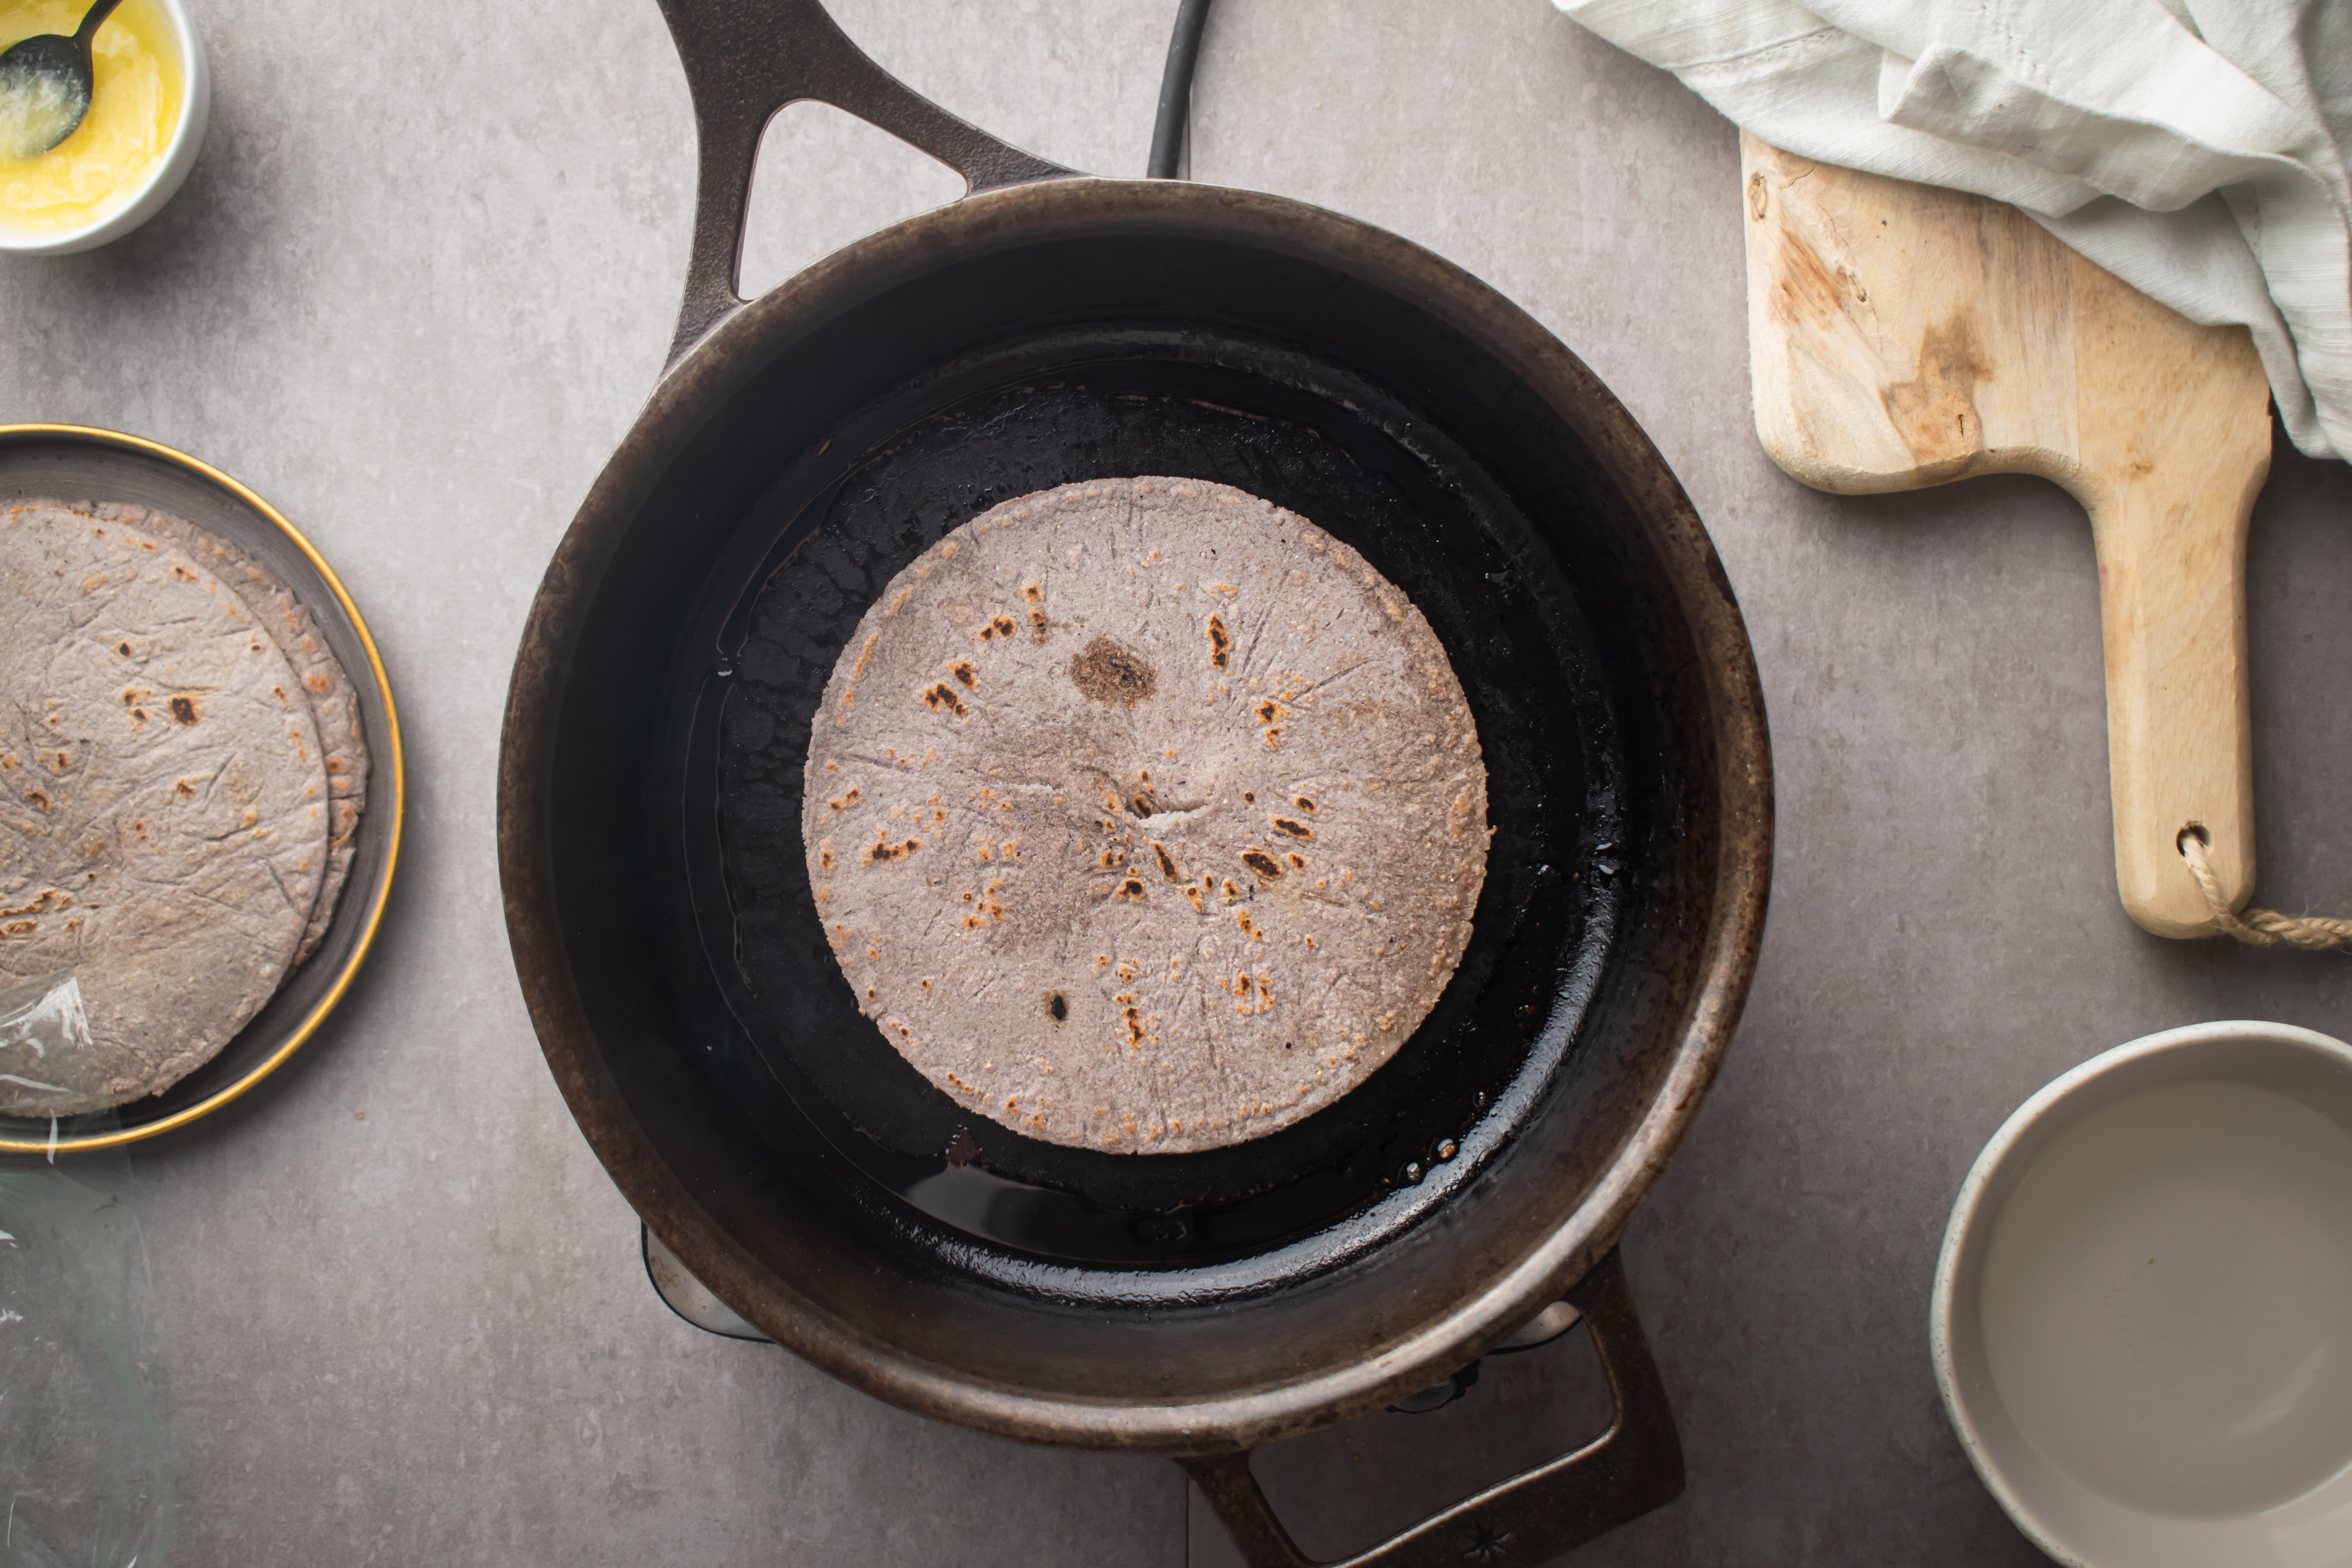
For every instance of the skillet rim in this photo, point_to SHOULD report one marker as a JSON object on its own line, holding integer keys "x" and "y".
{"x": 728, "y": 356}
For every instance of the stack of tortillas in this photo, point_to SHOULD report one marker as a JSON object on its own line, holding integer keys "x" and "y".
{"x": 182, "y": 774}
{"x": 1145, "y": 816}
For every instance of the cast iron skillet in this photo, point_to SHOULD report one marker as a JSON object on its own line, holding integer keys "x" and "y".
{"x": 800, "y": 449}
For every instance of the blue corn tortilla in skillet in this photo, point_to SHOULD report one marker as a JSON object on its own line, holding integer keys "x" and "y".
{"x": 1144, "y": 815}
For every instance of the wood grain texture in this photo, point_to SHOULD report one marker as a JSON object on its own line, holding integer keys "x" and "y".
{"x": 1902, "y": 335}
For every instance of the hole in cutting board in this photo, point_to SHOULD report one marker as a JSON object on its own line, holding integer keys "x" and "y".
{"x": 823, "y": 178}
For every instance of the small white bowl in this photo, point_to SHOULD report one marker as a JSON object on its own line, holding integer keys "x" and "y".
{"x": 2142, "y": 1325}
{"x": 163, "y": 181}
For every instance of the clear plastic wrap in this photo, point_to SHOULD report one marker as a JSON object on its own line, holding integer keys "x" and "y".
{"x": 44, "y": 1028}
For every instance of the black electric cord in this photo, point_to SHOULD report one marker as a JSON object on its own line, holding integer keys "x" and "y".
{"x": 1176, "y": 92}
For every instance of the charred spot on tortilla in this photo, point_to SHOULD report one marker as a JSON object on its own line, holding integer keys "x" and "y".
{"x": 183, "y": 710}
{"x": 1073, "y": 1001}
{"x": 1106, "y": 673}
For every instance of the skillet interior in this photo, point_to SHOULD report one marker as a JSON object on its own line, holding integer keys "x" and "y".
{"x": 1522, "y": 510}
{"x": 1091, "y": 403}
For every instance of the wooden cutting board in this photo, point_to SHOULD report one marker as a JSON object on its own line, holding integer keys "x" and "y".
{"x": 1900, "y": 335}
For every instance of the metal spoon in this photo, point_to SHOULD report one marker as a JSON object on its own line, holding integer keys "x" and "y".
{"x": 45, "y": 85}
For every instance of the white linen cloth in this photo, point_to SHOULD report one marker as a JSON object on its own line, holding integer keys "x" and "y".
{"x": 2196, "y": 149}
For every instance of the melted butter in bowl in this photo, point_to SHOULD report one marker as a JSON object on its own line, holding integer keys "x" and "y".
{"x": 138, "y": 97}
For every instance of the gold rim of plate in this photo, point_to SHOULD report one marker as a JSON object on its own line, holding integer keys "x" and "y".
{"x": 373, "y": 917}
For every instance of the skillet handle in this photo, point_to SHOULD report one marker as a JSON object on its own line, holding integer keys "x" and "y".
{"x": 1634, "y": 1466}
{"x": 744, "y": 60}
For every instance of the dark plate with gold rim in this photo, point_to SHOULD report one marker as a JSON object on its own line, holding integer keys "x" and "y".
{"x": 74, "y": 464}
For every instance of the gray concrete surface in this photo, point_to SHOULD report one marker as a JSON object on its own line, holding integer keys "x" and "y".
{"x": 414, "y": 293}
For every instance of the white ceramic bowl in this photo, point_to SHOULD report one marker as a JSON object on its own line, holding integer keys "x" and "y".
{"x": 162, "y": 181}
{"x": 2143, "y": 1313}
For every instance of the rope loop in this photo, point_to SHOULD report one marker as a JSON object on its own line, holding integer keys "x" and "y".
{"x": 2259, "y": 928}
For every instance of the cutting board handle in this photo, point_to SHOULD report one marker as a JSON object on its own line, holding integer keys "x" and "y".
{"x": 2172, "y": 605}
{"x": 2171, "y": 491}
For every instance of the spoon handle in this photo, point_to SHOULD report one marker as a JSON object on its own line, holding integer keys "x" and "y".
{"x": 91, "y": 20}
